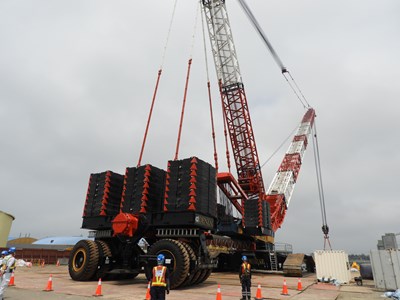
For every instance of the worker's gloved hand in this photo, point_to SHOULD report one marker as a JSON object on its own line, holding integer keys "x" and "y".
{"x": 167, "y": 291}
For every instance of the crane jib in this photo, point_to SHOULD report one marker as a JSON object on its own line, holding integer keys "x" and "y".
{"x": 238, "y": 122}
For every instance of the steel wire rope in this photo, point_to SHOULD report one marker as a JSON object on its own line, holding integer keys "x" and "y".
{"x": 325, "y": 227}
{"x": 156, "y": 86}
{"x": 297, "y": 92}
{"x": 280, "y": 146}
{"x": 300, "y": 91}
{"x": 186, "y": 86}
{"x": 168, "y": 35}
{"x": 294, "y": 90}
{"x": 209, "y": 92}
{"x": 275, "y": 56}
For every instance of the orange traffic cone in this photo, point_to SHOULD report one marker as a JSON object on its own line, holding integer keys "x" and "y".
{"x": 58, "y": 263}
{"x": 49, "y": 286}
{"x": 148, "y": 297}
{"x": 258, "y": 294}
{"x": 219, "y": 296}
{"x": 98, "y": 290}
{"x": 284, "y": 289}
{"x": 299, "y": 286}
{"x": 11, "y": 283}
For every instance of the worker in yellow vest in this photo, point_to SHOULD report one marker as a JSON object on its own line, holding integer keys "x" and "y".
{"x": 4, "y": 253}
{"x": 159, "y": 280}
{"x": 8, "y": 266}
{"x": 245, "y": 278}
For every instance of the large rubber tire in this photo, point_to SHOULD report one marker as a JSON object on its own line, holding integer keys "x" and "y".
{"x": 199, "y": 276}
{"x": 174, "y": 250}
{"x": 192, "y": 258}
{"x": 83, "y": 260}
{"x": 104, "y": 251}
{"x": 196, "y": 276}
{"x": 204, "y": 276}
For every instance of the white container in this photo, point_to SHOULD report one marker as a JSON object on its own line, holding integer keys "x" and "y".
{"x": 332, "y": 264}
{"x": 386, "y": 268}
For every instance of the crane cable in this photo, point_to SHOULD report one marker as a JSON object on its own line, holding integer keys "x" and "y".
{"x": 186, "y": 87}
{"x": 295, "y": 88}
{"x": 300, "y": 96}
{"x": 168, "y": 34}
{"x": 325, "y": 227}
{"x": 280, "y": 146}
{"x": 209, "y": 93}
{"x": 156, "y": 87}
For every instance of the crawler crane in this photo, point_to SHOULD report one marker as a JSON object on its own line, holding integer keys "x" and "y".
{"x": 176, "y": 210}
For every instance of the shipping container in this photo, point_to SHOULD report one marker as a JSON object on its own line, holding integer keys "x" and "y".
{"x": 332, "y": 264}
{"x": 386, "y": 268}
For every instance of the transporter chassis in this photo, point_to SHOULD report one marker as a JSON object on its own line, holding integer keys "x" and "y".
{"x": 187, "y": 240}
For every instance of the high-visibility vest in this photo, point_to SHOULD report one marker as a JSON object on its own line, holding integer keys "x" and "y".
{"x": 246, "y": 269}
{"x": 12, "y": 267}
{"x": 5, "y": 263}
{"x": 159, "y": 276}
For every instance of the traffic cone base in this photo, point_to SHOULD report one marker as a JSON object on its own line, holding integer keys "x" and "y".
{"x": 49, "y": 286}
{"x": 98, "y": 289}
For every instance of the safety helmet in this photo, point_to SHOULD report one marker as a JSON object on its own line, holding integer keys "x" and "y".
{"x": 12, "y": 250}
{"x": 4, "y": 252}
{"x": 160, "y": 258}
{"x": 244, "y": 258}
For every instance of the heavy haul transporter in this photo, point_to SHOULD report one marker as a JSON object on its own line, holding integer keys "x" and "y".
{"x": 176, "y": 212}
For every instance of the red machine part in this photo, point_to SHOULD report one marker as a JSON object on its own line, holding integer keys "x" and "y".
{"x": 125, "y": 224}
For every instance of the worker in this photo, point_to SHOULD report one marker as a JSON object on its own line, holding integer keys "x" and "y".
{"x": 159, "y": 280}
{"x": 7, "y": 268}
{"x": 245, "y": 278}
{"x": 4, "y": 253}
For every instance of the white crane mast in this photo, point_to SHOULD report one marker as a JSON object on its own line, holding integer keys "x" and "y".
{"x": 223, "y": 47}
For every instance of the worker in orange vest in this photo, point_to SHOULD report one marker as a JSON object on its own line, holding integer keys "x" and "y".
{"x": 159, "y": 280}
{"x": 245, "y": 278}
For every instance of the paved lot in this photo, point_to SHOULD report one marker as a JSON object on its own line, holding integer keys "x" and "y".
{"x": 31, "y": 282}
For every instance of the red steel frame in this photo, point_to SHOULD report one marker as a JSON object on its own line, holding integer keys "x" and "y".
{"x": 242, "y": 139}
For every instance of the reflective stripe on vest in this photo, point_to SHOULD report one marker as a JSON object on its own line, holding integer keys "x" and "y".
{"x": 159, "y": 276}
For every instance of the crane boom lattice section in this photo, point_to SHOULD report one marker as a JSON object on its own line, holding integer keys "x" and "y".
{"x": 234, "y": 99}
{"x": 281, "y": 189}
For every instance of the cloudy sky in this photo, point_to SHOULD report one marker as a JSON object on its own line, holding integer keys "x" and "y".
{"x": 77, "y": 77}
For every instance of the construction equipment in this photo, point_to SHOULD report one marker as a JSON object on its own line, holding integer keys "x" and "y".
{"x": 176, "y": 212}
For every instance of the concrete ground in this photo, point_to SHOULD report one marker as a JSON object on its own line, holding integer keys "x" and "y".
{"x": 30, "y": 283}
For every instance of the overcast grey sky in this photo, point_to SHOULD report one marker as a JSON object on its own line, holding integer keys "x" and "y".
{"x": 77, "y": 77}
